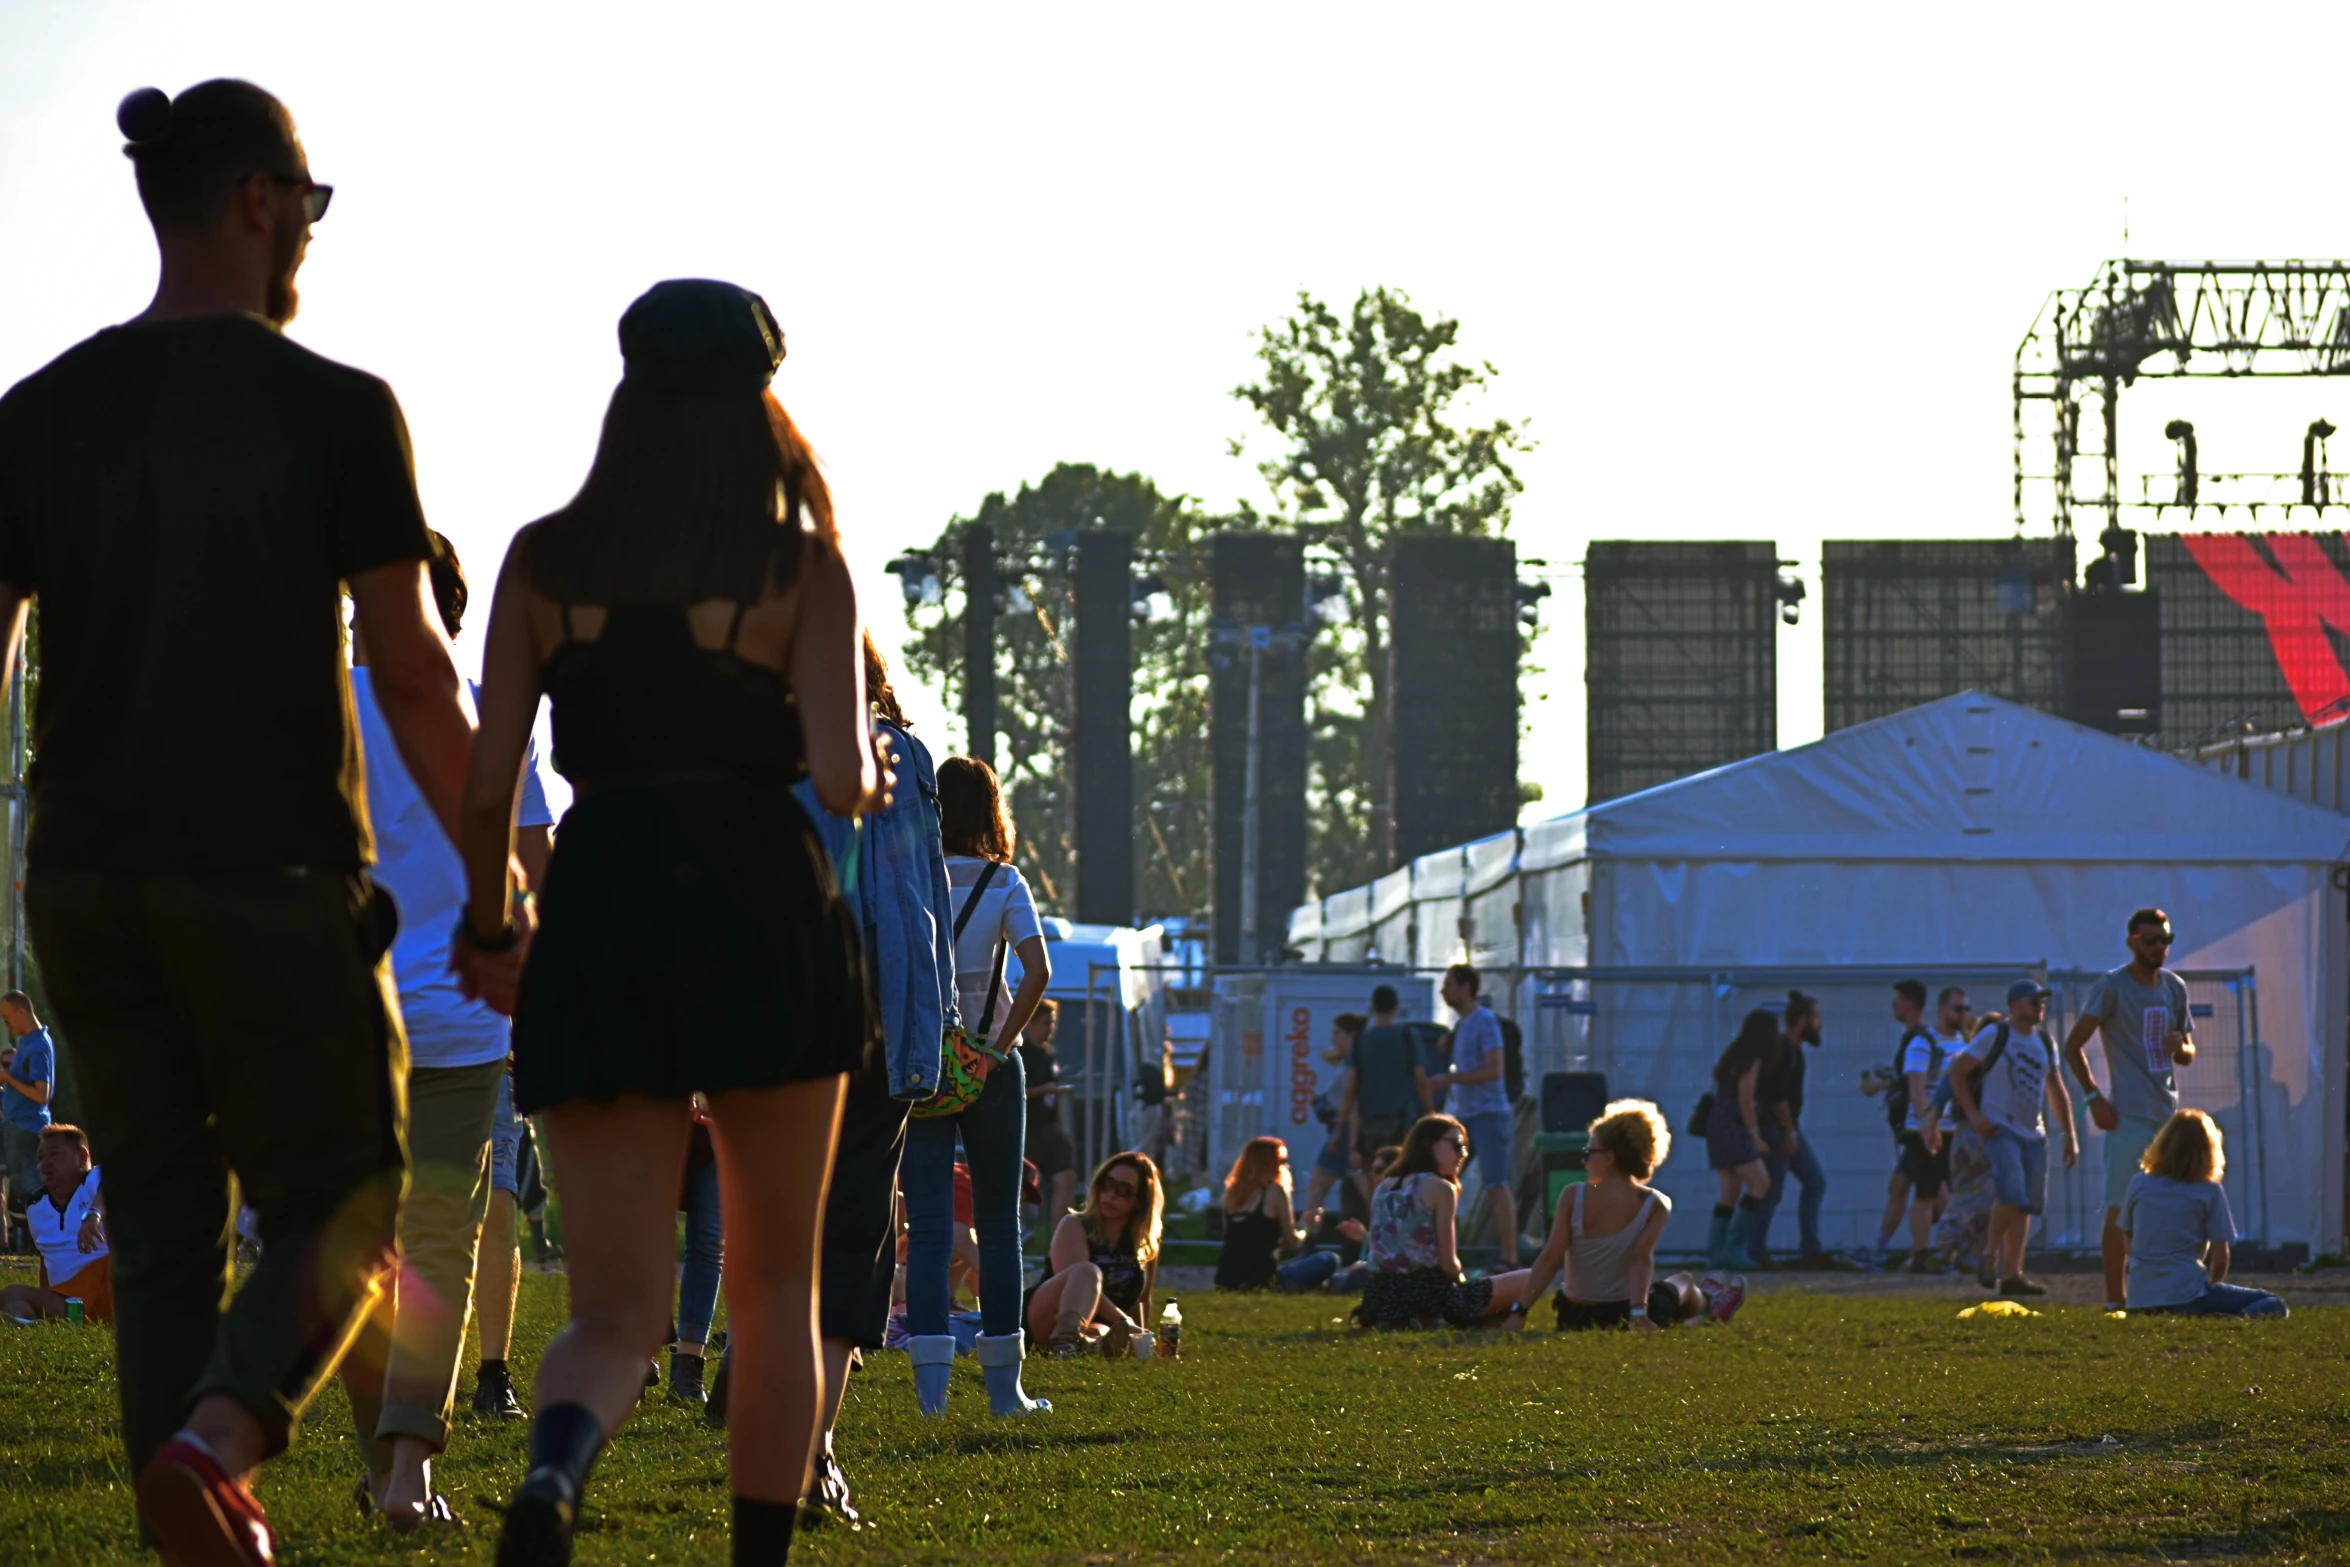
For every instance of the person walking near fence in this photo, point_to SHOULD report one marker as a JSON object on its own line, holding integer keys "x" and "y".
{"x": 1929, "y": 1144}
{"x": 185, "y": 496}
{"x": 28, "y": 1084}
{"x": 1786, "y": 1150}
{"x": 1338, "y": 1158}
{"x": 2141, "y": 1012}
{"x": 402, "y": 1374}
{"x": 1733, "y": 1139}
{"x": 1480, "y": 1100}
{"x": 1387, "y": 1090}
{"x": 1998, "y": 1083}
{"x": 993, "y": 914}
{"x": 692, "y": 621}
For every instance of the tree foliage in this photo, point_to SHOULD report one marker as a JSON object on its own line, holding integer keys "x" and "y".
{"x": 1367, "y": 407}
{"x": 1036, "y": 692}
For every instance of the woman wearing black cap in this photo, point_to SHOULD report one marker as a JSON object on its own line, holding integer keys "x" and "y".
{"x": 692, "y": 621}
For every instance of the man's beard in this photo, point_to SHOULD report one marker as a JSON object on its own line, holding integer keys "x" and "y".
{"x": 285, "y": 260}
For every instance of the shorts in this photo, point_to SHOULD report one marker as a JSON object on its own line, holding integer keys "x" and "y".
{"x": 860, "y": 1216}
{"x": 1050, "y": 1148}
{"x": 1579, "y": 1316}
{"x": 2125, "y": 1145}
{"x": 1928, "y": 1172}
{"x": 1423, "y": 1298}
{"x": 1374, "y": 1132}
{"x": 1332, "y": 1160}
{"x": 506, "y": 1130}
{"x": 92, "y": 1285}
{"x": 2019, "y": 1169}
{"x": 1489, "y": 1144}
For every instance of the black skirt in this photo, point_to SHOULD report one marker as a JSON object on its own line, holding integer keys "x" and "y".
{"x": 1423, "y": 1298}
{"x": 691, "y": 939}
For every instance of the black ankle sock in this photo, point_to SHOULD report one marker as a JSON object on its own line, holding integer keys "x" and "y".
{"x": 763, "y": 1531}
{"x": 1722, "y": 1210}
{"x": 1750, "y": 1203}
{"x": 566, "y": 1438}
{"x": 492, "y": 1370}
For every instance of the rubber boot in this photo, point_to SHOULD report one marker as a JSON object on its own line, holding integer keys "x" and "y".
{"x": 999, "y": 1362}
{"x": 1735, "y": 1237}
{"x": 1714, "y": 1235}
{"x": 934, "y": 1363}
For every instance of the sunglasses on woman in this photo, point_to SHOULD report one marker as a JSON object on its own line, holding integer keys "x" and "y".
{"x": 1125, "y": 1189}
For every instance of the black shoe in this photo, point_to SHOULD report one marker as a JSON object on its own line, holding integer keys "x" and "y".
{"x": 494, "y": 1397}
{"x": 539, "y": 1521}
{"x": 715, "y": 1410}
{"x": 652, "y": 1375}
{"x": 828, "y": 1498}
{"x": 685, "y": 1379}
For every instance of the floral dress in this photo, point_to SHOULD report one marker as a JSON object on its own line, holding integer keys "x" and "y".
{"x": 1408, "y": 1288}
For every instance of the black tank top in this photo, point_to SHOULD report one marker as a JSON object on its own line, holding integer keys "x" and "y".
{"x": 645, "y": 703}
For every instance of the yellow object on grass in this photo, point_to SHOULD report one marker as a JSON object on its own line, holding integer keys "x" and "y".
{"x": 1999, "y": 1308}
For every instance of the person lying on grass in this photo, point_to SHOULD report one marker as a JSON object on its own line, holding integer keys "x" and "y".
{"x": 1104, "y": 1262}
{"x": 1416, "y": 1278}
{"x": 1606, "y": 1231}
{"x": 2176, "y": 1216}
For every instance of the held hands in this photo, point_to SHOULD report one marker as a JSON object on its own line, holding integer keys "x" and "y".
{"x": 495, "y": 978}
{"x": 2101, "y": 1111}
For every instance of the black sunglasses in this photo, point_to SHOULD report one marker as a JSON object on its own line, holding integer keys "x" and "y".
{"x": 1130, "y": 1192}
{"x": 2155, "y": 938}
{"x": 315, "y": 197}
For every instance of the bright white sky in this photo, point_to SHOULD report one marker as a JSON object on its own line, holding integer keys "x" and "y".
{"x": 1744, "y": 271}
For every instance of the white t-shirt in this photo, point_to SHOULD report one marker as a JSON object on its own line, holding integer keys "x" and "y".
{"x": 418, "y": 865}
{"x": 1919, "y": 1057}
{"x": 58, "y": 1235}
{"x": 2014, "y": 1090}
{"x": 1005, "y": 913}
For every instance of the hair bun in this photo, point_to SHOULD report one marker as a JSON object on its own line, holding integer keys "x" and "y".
{"x": 145, "y": 116}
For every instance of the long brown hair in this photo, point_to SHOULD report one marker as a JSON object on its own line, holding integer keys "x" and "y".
{"x": 690, "y": 497}
{"x": 878, "y": 690}
{"x": 1150, "y": 1209}
{"x": 2188, "y": 1148}
{"x": 1263, "y": 1163}
{"x": 971, "y": 815}
{"x": 1419, "y": 1149}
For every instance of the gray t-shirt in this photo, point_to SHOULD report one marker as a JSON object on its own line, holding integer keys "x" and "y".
{"x": 2168, "y": 1222}
{"x": 2134, "y": 1018}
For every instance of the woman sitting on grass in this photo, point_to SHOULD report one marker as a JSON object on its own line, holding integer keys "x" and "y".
{"x": 1104, "y": 1262}
{"x": 1416, "y": 1278}
{"x": 1258, "y": 1218}
{"x": 1606, "y": 1232}
{"x": 2176, "y": 1216}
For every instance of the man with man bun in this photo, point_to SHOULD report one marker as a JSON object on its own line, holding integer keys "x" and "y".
{"x": 186, "y": 495}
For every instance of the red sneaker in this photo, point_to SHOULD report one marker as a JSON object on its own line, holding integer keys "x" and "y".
{"x": 199, "y": 1515}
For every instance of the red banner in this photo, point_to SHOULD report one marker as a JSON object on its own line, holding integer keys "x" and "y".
{"x": 2299, "y": 599}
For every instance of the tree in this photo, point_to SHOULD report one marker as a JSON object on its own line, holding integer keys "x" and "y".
{"x": 1036, "y": 693}
{"x": 1366, "y": 408}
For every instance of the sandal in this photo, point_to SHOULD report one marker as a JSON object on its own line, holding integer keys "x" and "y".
{"x": 437, "y": 1514}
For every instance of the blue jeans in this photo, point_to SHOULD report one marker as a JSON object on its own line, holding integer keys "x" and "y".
{"x": 2019, "y": 1169}
{"x": 705, "y": 1255}
{"x": 992, "y": 1132}
{"x": 2226, "y": 1300}
{"x": 1805, "y": 1166}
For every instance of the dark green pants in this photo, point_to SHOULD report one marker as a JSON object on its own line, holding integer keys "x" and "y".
{"x": 234, "y": 1032}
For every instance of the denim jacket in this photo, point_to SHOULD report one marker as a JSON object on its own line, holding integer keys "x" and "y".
{"x": 893, "y": 872}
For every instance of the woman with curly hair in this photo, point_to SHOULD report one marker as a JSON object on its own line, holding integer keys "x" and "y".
{"x": 1104, "y": 1262}
{"x": 1606, "y": 1232}
{"x": 1415, "y": 1276}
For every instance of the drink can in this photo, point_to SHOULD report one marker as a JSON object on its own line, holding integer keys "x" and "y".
{"x": 1146, "y": 1348}
{"x": 73, "y": 1309}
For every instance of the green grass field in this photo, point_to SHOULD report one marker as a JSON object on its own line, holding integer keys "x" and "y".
{"x": 1818, "y": 1427}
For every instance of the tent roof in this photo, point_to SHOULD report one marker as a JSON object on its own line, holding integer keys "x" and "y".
{"x": 1969, "y": 777}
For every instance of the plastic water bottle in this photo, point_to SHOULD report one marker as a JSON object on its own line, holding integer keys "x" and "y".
{"x": 1171, "y": 1331}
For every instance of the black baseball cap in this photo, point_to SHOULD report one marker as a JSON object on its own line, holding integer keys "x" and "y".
{"x": 2025, "y": 990}
{"x": 696, "y": 335}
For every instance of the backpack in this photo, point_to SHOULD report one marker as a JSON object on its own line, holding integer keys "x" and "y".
{"x": 1983, "y": 1073}
{"x": 1897, "y": 1096}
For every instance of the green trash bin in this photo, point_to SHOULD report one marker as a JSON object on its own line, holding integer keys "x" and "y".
{"x": 1562, "y": 1163}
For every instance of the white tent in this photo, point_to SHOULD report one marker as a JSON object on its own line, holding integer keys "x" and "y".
{"x": 1959, "y": 840}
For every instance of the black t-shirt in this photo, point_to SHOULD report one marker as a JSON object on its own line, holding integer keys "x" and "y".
{"x": 1040, "y": 1066}
{"x": 1781, "y": 1078}
{"x": 184, "y": 500}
